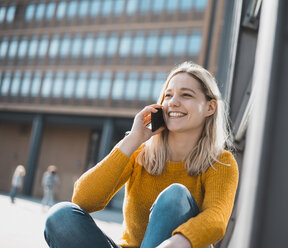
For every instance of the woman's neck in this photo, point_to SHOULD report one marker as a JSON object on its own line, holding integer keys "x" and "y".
{"x": 180, "y": 145}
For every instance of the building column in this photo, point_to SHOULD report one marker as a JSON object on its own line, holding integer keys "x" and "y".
{"x": 35, "y": 143}
{"x": 106, "y": 138}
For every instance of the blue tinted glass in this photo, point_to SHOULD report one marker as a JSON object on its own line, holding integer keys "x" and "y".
{"x": 180, "y": 44}
{"x": 36, "y": 83}
{"x": 72, "y": 9}
{"x": 118, "y": 86}
{"x": 100, "y": 45}
{"x": 10, "y": 13}
{"x": 166, "y": 45}
{"x": 118, "y": 7}
{"x": 107, "y": 7}
{"x": 76, "y": 46}
{"x": 40, "y": 11}
{"x": 200, "y": 5}
{"x": 95, "y": 8}
{"x": 69, "y": 85}
{"x": 13, "y": 48}
{"x": 47, "y": 85}
{"x": 125, "y": 45}
{"x": 145, "y": 86}
{"x": 158, "y": 6}
{"x": 93, "y": 86}
{"x": 144, "y": 6}
{"x": 43, "y": 46}
{"x": 3, "y": 48}
{"x": 15, "y": 86}
{"x": 22, "y": 48}
{"x": 26, "y": 82}
{"x": 131, "y": 88}
{"x": 5, "y": 84}
{"x": 83, "y": 8}
{"x": 158, "y": 84}
{"x": 105, "y": 85}
{"x": 88, "y": 46}
{"x": 131, "y": 7}
{"x": 2, "y": 14}
{"x": 152, "y": 44}
{"x": 61, "y": 9}
{"x": 33, "y": 46}
{"x": 29, "y": 12}
{"x": 138, "y": 44}
{"x": 172, "y": 5}
{"x": 54, "y": 47}
{"x": 81, "y": 85}
{"x": 50, "y": 10}
{"x": 112, "y": 45}
{"x": 186, "y": 5}
{"x": 58, "y": 85}
{"x": 195, "y": 42}
{"x": 65, "y": 46}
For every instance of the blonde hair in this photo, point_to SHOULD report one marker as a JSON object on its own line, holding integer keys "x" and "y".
{"x": 215, "y": 134}
{"x": 20, "y": 170}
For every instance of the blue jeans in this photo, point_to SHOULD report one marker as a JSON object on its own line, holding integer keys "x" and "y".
{"x": 70, "y": 226}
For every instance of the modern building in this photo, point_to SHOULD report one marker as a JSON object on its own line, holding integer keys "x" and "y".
{"x": 73, "y": 73}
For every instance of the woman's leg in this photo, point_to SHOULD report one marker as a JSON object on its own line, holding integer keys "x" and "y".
{"x": 174, "y": 206}
{"x": 68, "y": 225}
{"x": 13, "y": 193}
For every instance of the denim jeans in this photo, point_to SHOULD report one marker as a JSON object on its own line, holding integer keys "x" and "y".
{"x": 70, "y": 226}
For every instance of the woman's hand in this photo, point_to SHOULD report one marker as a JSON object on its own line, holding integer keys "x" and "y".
{"x": 140, "y": 132}
{"x": 177, "y": 240}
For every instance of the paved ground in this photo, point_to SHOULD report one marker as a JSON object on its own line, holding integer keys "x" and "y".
{"x": 21, "y": 224}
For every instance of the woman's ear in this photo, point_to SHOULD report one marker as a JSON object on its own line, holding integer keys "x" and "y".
{"x": 212, "y": 106}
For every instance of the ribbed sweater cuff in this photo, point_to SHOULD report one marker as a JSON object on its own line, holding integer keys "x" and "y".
{"x": 118, "y": 156}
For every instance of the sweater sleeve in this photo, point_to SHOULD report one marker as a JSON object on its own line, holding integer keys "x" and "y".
{"x": 220, "y": 184}
{"x": 95, "y": 188}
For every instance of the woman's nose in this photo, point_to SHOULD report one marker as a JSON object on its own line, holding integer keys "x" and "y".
{"x": 174, "y": 101}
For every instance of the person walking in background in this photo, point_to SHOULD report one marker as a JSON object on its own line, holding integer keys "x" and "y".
{"x": 181, "y": 179}
{"x": 17, "y": 181}
{"x": 49, "y": 181}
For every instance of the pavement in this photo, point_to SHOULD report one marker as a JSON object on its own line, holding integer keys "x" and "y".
{"x": 22, "y": 223}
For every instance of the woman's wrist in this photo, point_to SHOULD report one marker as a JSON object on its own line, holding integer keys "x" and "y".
{"x": 129, "y": 143}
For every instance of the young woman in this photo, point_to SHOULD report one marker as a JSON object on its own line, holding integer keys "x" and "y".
{"x": 180, "y": 181}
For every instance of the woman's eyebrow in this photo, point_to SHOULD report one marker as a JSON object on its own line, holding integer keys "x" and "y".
{"x": 189, "y": 89}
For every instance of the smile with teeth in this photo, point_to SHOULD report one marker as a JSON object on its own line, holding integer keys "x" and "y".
{"x": 176, "y": 114}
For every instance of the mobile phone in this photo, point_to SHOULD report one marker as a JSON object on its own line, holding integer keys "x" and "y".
{"x": 157, "y": 120}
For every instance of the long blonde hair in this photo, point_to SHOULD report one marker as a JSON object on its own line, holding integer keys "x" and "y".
{"x": 215, "y": 134}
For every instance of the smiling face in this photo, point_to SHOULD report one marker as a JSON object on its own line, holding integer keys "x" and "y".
{"x": 185, "y": 106}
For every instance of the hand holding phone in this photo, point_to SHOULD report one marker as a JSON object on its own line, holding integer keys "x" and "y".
{"x": 157, "y": 119}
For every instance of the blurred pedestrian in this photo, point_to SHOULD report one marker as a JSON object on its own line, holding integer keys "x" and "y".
{"x": 17, "y": 181}
{"x": 49, "y": 181}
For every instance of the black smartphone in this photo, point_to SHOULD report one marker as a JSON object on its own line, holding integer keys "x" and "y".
{"x": 157, "y": 120}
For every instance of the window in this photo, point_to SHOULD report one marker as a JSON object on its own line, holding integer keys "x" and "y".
{"x": 158, "y": 6}
{"x": 69, "y": 85}
{"x": 72, "y": 9}
{"x": 26, "y": 84}
{"x": 145, "y": 86}
{"x": 4, "y": 48}
{"x": 166, "y": 44}
{"x": 158, "y": 84}
{"x": 131, "y": 7}
{"x": 93, "y": 85}
{"x": 43, "y": 46}
{"x": 180, "y": 44}
{"x": 152, "y": 44}
{"x": 13, "y": 48}
{"x": 112, "y": 45}
{"x": 200, "y": 5}
{"x": 5, "y": 83}
{"x": 29, "y": 14}
{"x": 83, "y": 8}
{"x": 76, "y": 46}
{"x": 100, "y": 45}
{"x": 36, "y": 84}
{"x": 118, "y": 86}
{"x": 88, "y": 46}
{"x": 47, "y": 84}
{"x": 107, "y": 7}
{"x": 58, "y": 84}
{"x": 125, "y": 44}
{"x": 50, "y": 10}
{"x": 172, "y": 5}
{"x": 95, "y": 8}
{"x": 2, "y": 14}
{"x": 118, "y": 7}
{"x": 144, "y": 6}
{"x": 65, "y": 46}
{"x": 40, "y": 11}
{"x": 81, "y": 85}
{"x": 23, "y": 47}
{"x": 186, "y": 5}
{"x": 105, "y": 85}
{"x": 195, "y": 41}
{"x": 10, "y": 13}
{"x": 138, "y": 44}
{"x": 15, "y": 86}
{"x": 131, "y": 87}
{"x": 61, "y": 9}
{"x": 54, "y": 47}
{"x": 33, "y": 46}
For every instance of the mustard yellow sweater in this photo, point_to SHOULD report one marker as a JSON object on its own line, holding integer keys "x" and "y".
{"x": 214, "y": 192}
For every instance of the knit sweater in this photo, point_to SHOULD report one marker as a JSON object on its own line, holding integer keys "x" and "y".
{"x": 214, "y": 192}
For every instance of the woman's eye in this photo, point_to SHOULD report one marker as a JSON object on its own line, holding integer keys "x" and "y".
{"x": 187, "y": 95}
{"x": 167, "y": 95}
